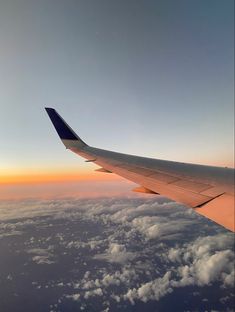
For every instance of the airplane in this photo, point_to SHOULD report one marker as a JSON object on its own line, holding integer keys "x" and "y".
{"x": 208, "y": 190}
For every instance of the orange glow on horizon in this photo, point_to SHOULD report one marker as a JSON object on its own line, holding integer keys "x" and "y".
{"x": 83, "y": 187}
{"x": 42, "y": 177}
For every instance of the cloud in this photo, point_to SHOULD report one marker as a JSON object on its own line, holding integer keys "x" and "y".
{"x": 137, "y": 249}
{"x": 41, "y": 256}
{"x": 204, "y": 261}
{"x": 116, "y": 253}
{"x": 153, "y": 290}
{"x": 75, "y": 297}
{"x": 15, "y": 228}
{"x": 93, "y": 293}
{"x": 197, "y": 264}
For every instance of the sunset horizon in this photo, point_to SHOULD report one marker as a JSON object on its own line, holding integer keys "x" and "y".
{"x": 117, "y": 155}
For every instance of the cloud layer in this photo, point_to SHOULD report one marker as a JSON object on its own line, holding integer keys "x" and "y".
{"x": 128, "y": 250}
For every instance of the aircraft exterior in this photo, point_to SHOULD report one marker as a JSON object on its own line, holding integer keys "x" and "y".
{"x": 208, "y": 190}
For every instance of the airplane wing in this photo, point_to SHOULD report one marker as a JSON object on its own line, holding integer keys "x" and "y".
{"x": 209, "y": 190}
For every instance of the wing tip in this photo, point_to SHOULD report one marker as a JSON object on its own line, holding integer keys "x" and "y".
{"x": 64, "y": 131}
{"x": 49, "y": 108}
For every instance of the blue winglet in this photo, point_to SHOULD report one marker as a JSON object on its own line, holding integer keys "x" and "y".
{"x": 62, "y": 128}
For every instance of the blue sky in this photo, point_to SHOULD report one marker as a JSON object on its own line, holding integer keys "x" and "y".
{"x": 153, "y": 78}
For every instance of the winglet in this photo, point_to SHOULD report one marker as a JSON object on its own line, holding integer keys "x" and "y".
{"x": 62, "y": 128}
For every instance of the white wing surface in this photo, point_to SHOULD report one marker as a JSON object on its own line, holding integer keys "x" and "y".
{"x": 209, "y": 190}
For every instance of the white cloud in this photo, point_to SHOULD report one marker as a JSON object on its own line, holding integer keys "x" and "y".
{"x": 174, "y": 254}
{"x": 229, "y": 278}
{"x": 116, "y": 297}
{"x": 153, "y": 290}
{"x": 116, "y": 253}
{"x": 210, "y": 268}
{"x": 204, "y": 261}
{"x": 115, "y": 249}
{"x": 75, "y": 297}
{"x": 151, "y": 245}
{"x": 93, "y": 293}
{"x": 42, "y": 256}
{"x": 126, "y": 276}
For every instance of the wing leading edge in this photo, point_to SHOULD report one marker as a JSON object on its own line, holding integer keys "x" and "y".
{"x": 209, "y": 190}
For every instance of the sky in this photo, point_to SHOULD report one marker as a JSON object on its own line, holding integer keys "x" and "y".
{"x": 145, "y": 77}
{"x": 151, "y": 78}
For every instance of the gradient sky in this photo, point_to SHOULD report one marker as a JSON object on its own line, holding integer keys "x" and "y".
{"x": 152, "y": 78}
